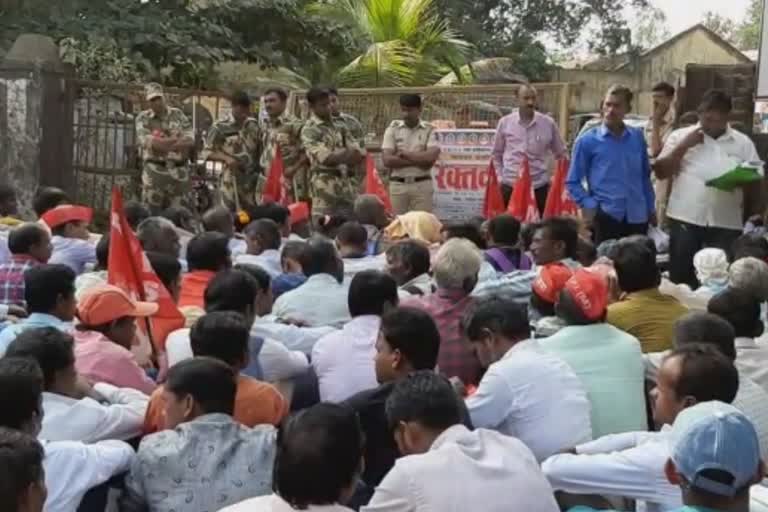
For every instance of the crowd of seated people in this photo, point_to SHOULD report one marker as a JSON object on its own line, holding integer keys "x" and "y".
{"x": 377, "y": 364}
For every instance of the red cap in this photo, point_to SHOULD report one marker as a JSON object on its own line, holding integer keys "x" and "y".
{"x": 67, "y": 213}
{"x": 550, "y": 281}
{"x": 589, "y": 291}
{"x": 299, "y": 212}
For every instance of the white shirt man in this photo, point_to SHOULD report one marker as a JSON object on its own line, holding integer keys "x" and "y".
{"x": 550, "y": 416}
{"x": 301, "y": 339}
{"x": 73, "y": 468}
{"x": 464, "y": 470}
{"x": 269, "y": 260}
{"x": 321, "y": 300}
{"x": 343, "y": 360}
{"x": 86, "y": 420}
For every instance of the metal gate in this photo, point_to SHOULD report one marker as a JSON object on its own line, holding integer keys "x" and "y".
{"x": 105, "y": 149}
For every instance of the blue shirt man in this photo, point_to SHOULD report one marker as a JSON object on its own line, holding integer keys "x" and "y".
{"x": 612, "y": 159}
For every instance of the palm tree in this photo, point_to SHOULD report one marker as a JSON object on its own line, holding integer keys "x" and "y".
{"x": 402, "y": 42}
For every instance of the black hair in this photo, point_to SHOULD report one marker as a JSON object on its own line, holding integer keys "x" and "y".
{"x": 48, "y": 198}
{"x": 136, "y": 213}
{"x": 240, "y": 99}
{"x": 329, "y": 226}
{"x": 305, "y": 443}
{"x": 410, "y": 100}
{"x": 468, "y": 230}
{"x": 293, "y": 249}
{"x": 212, "y": 384}
{"x": 413, "y": 253}
{"x": 426, "y": 398}
{"x": 231, "y": 290}
{"x": 24, "y": 237}
{"x": 22, "y": 380}
{"x": 352, "y": 233}
{"x": 740, "y": 309}
{"x": 177, "y": 215}
{"x": 705, "y": 373}
{"x": 266, "y": 232}
{"x": 504, "y": 230}
{"x": 102, "y": 252}
{"x": 7, "y": 192}
{"x": 716, "y": 100}
{"x": 277, "y": 91}
{"x": 562, "y": 229}
{"x": 586, "y": 252}
{"x": 414, "y": 333}
{"x": 542, "y": 306}
{"x": 624, "y": 92}
{"x": 51, "y": 348}
{"x": 749, "y": 244}
{"x": 273, "y": 211}
{"x": 21, "y": 465}
{"x": 665, "y": 87}
{"x": 701, "y": 327}
{"x": 502, "y": 316}
{"x": 316, "y": 94}
{"x": 222, "y": 335}
{"x": 44, "y": 285}
{"x": 262, "y": 277}
{"x": 320, "y": 257}
{"x": 167, "y": 268}
{"x": 526, "y": 234}
{"x": 635, "y": 266}
{"x": 370, "y": 291}
{"x": 214, "y": 219}
{"x": 332, "y": 90}
{"x": 208, "y": 251}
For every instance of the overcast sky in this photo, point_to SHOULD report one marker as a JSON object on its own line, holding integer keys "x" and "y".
{"x": 681, "y": 14}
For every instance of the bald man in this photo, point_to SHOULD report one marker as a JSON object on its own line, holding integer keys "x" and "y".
{"x": 526, "y": 132}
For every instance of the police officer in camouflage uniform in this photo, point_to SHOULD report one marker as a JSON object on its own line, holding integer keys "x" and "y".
{"x": 334, "y": 155}
{"x": 354, "y": 126}
{"x": 283, "y": 129}
{"x": 234, "y": 141}
{"x": 166, "y": 137}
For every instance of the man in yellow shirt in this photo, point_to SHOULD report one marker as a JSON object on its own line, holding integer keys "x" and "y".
{"x": 644, "y": 312}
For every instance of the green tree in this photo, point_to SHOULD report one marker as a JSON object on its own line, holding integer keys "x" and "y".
{"x": 399, "y": 42}
{"x": 723, "y": 26}
{"x": 747, "y": 33}
{"x": 650, "y": 28}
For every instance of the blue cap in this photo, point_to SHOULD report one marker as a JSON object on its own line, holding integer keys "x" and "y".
{"x": 715, "y": 435}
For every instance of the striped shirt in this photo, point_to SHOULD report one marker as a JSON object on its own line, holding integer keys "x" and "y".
{"x": 12, "y": 279}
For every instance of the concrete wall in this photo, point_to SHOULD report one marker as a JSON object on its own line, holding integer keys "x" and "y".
{"x": 588, "y": 87}
{"x": 21, "y": 103}
{"x": 668, "y": 64}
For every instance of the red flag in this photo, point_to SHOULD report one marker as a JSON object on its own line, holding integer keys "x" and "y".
{"x": 559, "y": 203}
{"x": 373, "y": 184}
{"x": 275, "y": 187}
{"x": 493, "y": 202}
{"x": 130, "y": 270}
{"x": 522, "y": 205}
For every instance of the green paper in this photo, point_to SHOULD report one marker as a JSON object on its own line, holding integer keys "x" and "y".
{"x": 743, "y": 174}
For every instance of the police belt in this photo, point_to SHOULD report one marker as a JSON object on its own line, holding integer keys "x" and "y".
{"x": 165, "y": 163}
{"x": 409, "y": 180}
{"x": 336, "y": 173}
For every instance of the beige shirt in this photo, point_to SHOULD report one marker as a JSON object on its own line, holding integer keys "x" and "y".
{"x": 400, "y": 137}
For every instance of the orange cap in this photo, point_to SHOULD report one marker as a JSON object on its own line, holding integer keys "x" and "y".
{"x": 589, "y": 292}
{"x": 299, "y": 212}
{"x": 550, "y": 281}
{"x": 67, "y": 213}
{"x": 105, "y": 303}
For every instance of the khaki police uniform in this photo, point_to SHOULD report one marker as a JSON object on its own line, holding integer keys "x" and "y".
{"x": 410, "y": 188}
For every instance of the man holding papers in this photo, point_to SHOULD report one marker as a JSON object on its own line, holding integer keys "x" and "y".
{"x": 702, "y": 215}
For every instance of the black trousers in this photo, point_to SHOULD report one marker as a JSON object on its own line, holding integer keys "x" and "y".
{"x": 606, "y": 227}
{"x": 685, "y": 240}
{"x": 540, "y": 193}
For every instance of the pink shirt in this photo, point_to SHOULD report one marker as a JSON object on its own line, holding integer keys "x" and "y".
{"x": 101, "y": 360}
{"x": 539, "y": 140}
